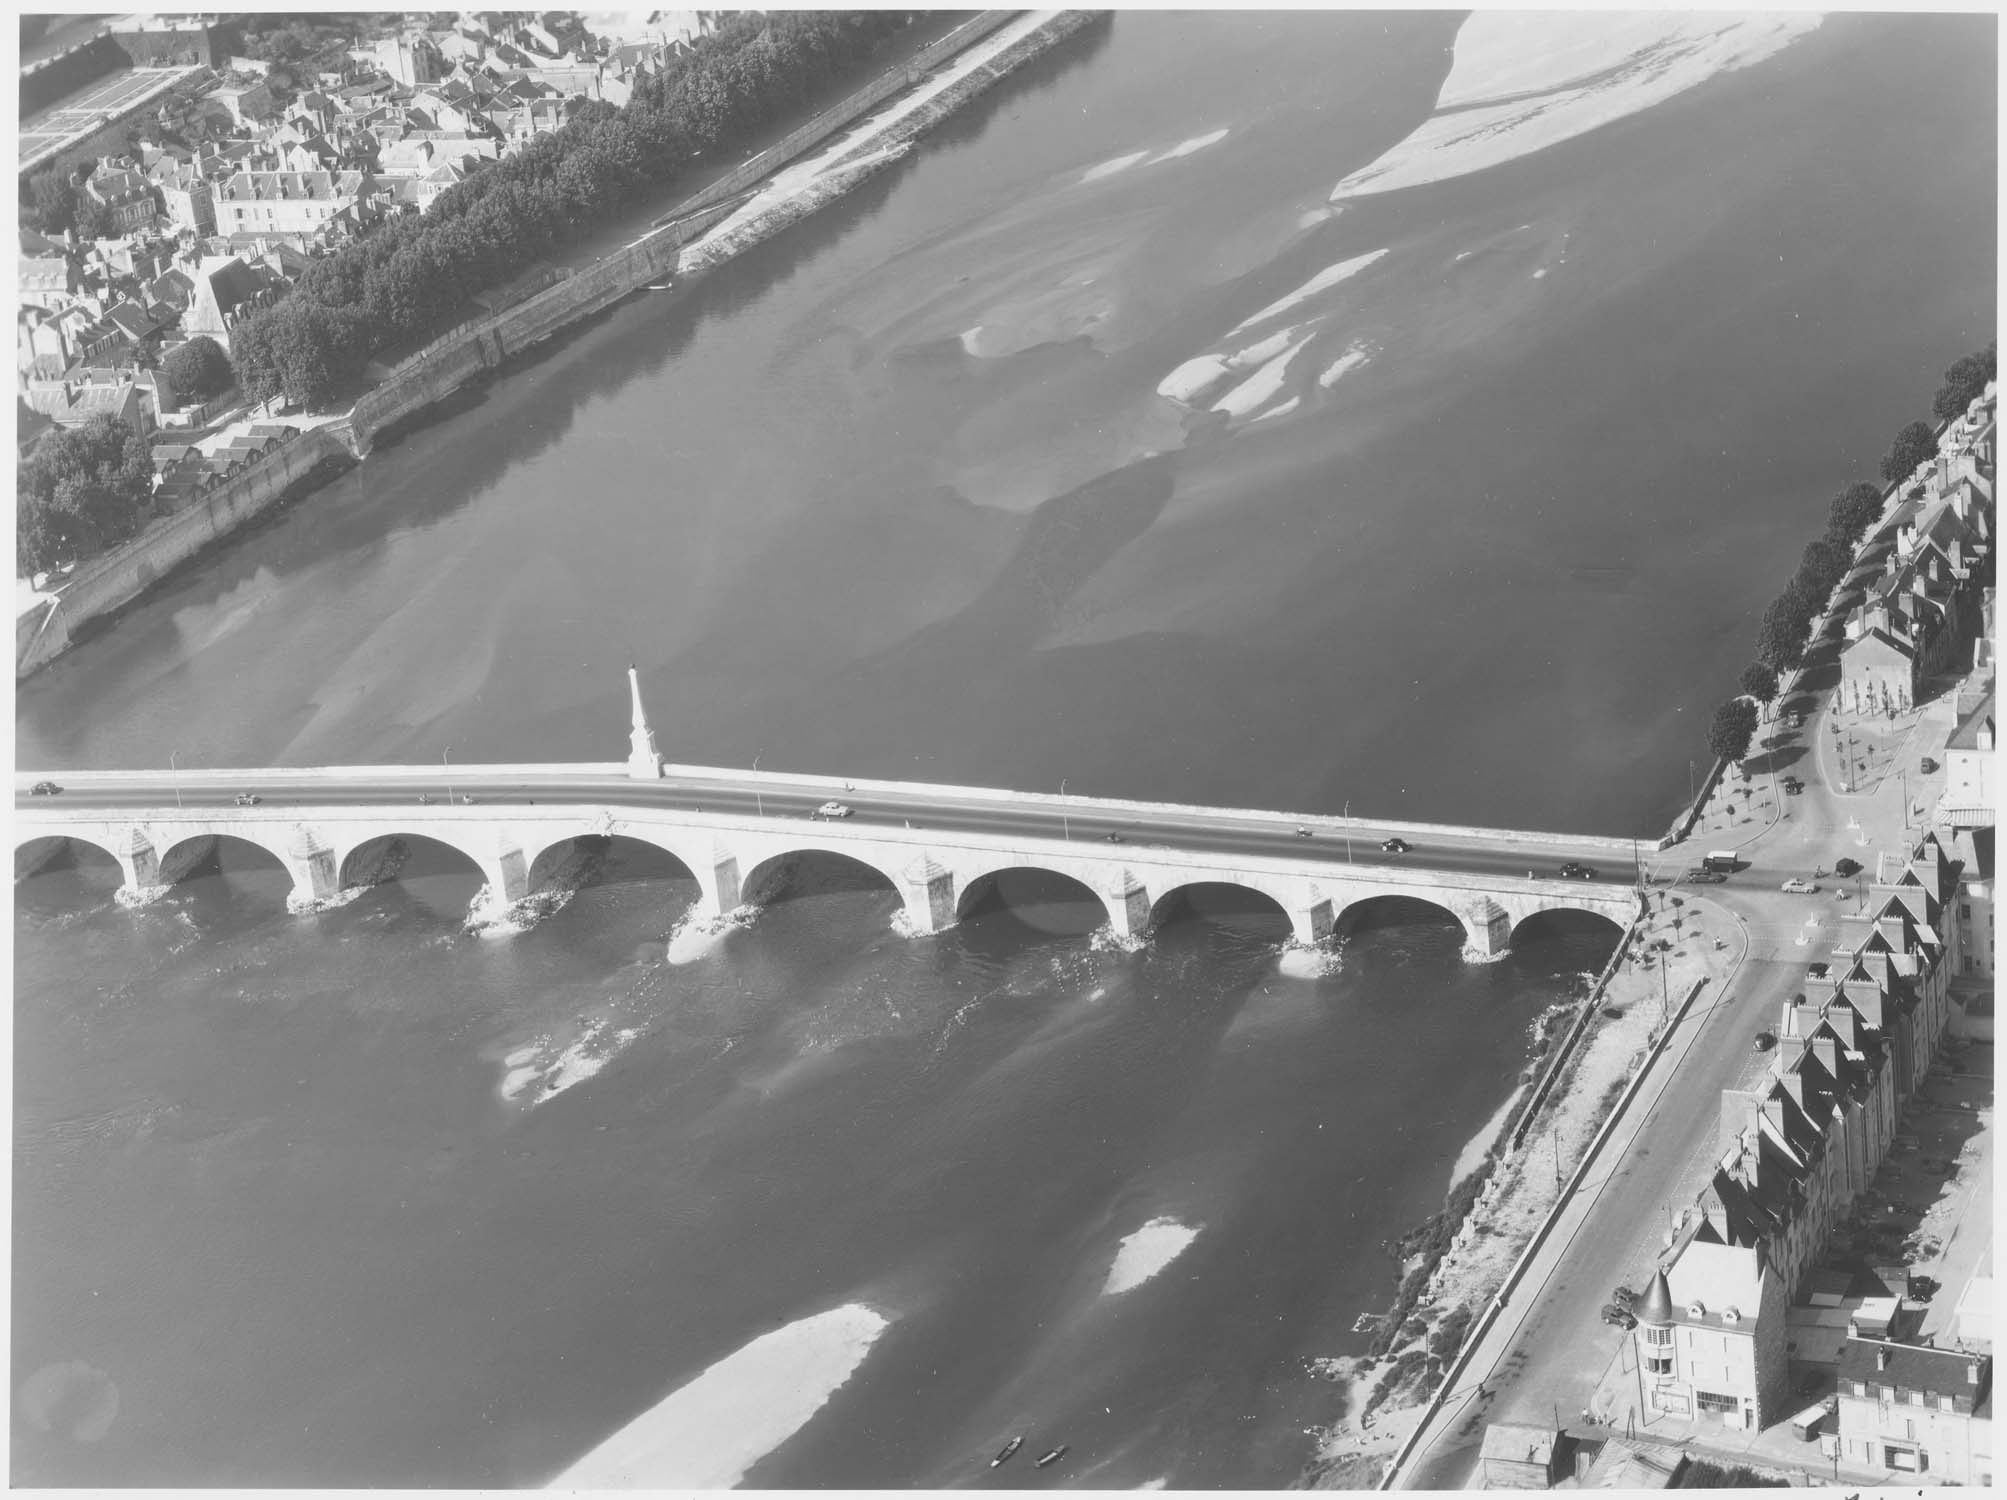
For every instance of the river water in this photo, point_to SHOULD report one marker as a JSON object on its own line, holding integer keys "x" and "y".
{"x": 296, "y": 1200}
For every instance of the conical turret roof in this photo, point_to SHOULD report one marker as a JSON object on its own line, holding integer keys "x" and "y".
{"x": 1657, "y": 1306}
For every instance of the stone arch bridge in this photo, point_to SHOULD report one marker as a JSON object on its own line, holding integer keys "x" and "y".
{"x": 324, "y": 842}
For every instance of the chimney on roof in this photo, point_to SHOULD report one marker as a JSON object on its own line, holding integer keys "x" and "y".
{"x": 1971, "y": 1370}
{"x": 1882, "y": 1357}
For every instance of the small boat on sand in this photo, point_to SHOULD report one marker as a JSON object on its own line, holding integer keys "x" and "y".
{"x": 1007, "y": 1450}
{"x": 1053, "y": 1457}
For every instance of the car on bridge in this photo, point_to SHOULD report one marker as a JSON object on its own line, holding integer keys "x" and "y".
{"x": 1395, "y": 845}
{"x": 44, "y": 789}
{"x": 1112, "y": 836}
{"x": 1799, "y": 887}
{"x": 1573, "y": 871}
{"x": 834, "y": 810}
{"x": 248, "y": 799}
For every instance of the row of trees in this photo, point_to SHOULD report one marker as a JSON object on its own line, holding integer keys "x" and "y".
{"x": 412, "y": 276}
{"x": 1786, "y": 628}
{"x": 79, "y": 492}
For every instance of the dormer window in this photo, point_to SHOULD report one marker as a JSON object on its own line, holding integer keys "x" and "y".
{"x": 1731, "y": 1315}
{"x": 1696, "y": 1310}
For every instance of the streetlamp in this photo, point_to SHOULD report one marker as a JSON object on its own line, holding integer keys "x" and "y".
{"x": 174, "y": 775}
{"x": 1348, "y": 830}
{"x": 443, "y": 761}
{"x": 759, "y": 802}
{"x": 1065, "y": 823}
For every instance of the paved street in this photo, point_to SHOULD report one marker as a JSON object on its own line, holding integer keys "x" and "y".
{"x": 1542, "y": 1361}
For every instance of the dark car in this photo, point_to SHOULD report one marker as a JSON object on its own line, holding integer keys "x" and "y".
{"x": 1765, "y": 1040}
{"x": 1847, "y": 868}
{"x": 1573, "y": 871}
{"x": 1702, "y": 875}
{"x": 1927, "y": 765}
{"x": 44, "y": 789}
{"x": 1112, "y": 836}
{"x": 1396, "y": 846}
{"x": 1618, "y": 1316}
{"x": 248, "y": 799}
{"x": 1819, "y": 971}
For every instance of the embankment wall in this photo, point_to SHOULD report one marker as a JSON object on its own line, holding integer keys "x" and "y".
{"x": 463, "y": 357}
{"x": 119, "y": 576}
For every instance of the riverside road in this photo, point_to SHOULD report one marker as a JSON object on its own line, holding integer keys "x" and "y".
{"x": 1541, "y": 1362}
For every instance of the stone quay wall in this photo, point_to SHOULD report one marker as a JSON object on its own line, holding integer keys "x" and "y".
{"x": 105, "y": 583}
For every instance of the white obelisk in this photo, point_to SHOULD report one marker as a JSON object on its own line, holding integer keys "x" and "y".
{"x": 643, "y": 764}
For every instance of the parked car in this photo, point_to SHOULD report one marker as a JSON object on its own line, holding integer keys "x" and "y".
{"x": 1819, "y": 971}
{"x": 248, "y": 799}
{"x": 1795, "y": 720}
{"x": 834, "y": 810}
{"x": 1799, "y": 887}
{"x": 1927, "y": 765}
{"x": 1765, "y": 1040}
{"x": 1846, "y": 869}
{"x": 1619, "y": 1317}
{"x": 44, "y": 789}
{"x": 1395, "y": 846}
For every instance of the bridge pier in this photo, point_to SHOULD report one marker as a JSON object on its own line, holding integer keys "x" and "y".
{"x": 1128, "y": 904}
{"x": 507, "y": 871}
{"x": 1312, "y": 921}
{"x": 720, "y": 882}
{"x": 929, "y": 896}
{"x": 1487, "y": 932}
{"x": 311, "y": 863}
{"x": 139, "y": 863}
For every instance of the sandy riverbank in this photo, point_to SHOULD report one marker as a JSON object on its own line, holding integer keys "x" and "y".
{"x": 708, "y": 1433}
{"x": 1523, "y": 81}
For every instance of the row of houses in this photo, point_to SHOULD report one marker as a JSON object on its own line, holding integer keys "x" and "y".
{"x": 1908, "y": 627}
{"x": 1711, "y": 1340}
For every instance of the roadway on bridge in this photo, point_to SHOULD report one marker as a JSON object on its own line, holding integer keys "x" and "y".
{"x": 1173, "y": 827}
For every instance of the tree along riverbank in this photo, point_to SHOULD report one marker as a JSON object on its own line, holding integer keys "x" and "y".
{"x": 971, "y": 60}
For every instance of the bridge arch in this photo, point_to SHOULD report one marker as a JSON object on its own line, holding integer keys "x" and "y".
{"x": 1042, "y": 898}
{"x": 226, "y": 854}
{"x": 44, "y": 850}
{"x": 383, "y": 857}
{"x": 581, "y": 859}
{"x": 781, "y": 876}
{"x": 1568, "y": 921}
{"x": 1390, "y": 908}
{"x": 1228, "y": 902}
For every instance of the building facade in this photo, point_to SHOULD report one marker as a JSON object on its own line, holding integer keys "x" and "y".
{"x": 1911, "y": 1409}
